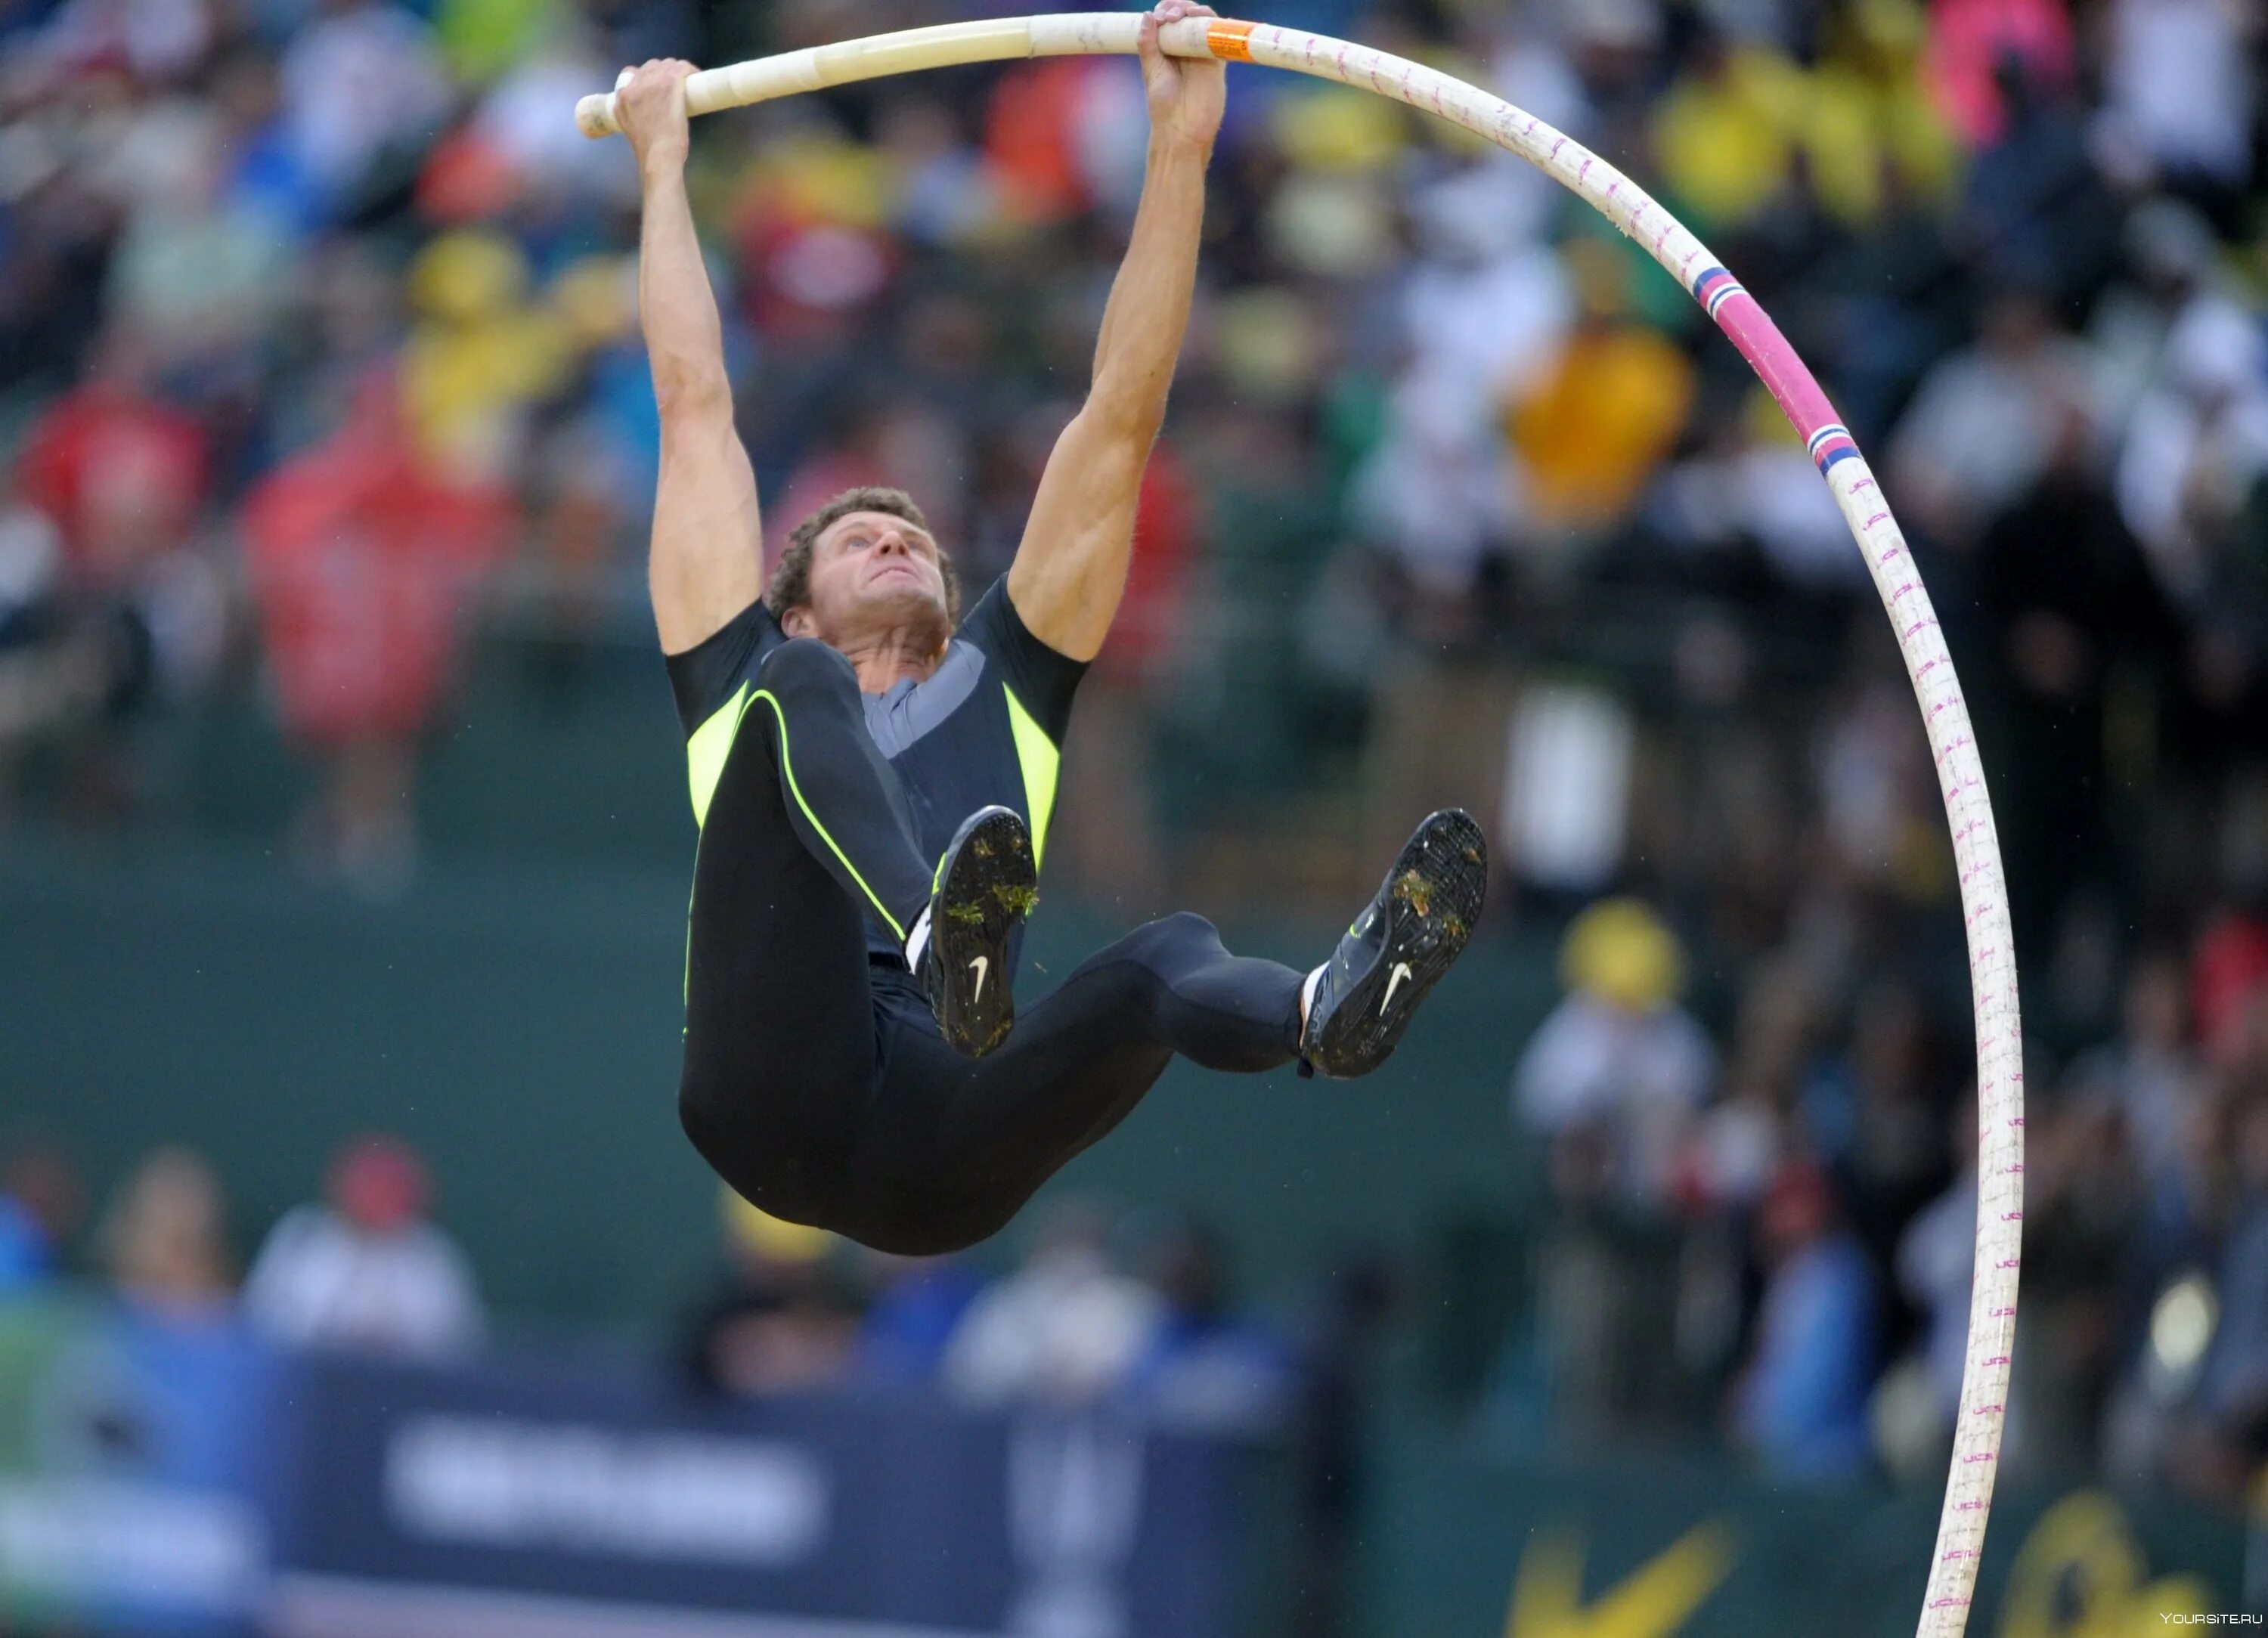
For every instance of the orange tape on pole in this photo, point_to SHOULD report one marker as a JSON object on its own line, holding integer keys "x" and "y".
{"x": 1229, "y": 39}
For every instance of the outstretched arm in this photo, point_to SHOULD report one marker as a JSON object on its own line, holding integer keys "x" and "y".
{"x": 707, "y": 561}
{"x": 1070, "y": 570}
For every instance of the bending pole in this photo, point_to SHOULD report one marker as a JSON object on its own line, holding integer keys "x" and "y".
{"x": 1945, "y": 713}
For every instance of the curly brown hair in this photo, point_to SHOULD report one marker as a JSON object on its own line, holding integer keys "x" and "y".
{"x": 791, "y": 582}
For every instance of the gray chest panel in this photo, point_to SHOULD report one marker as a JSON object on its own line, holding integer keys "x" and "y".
{"x": 910, "y": 709}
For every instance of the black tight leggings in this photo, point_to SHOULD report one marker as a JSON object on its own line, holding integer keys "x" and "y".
{"x": 815, "y": 1082}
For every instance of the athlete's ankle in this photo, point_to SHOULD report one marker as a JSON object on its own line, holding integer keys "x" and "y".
{"x": 917, "y": 941}
{"x": 1307, "y": 994}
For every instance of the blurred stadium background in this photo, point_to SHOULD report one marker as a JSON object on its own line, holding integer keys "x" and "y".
{"x": 354, "y": 1277}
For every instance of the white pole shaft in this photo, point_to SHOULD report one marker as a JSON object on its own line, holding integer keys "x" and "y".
{"x": 1952, "y": 1571}
{"x": 947, "y": 45}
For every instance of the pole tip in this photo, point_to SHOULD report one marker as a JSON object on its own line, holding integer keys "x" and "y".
{"x": 594, "y": 115}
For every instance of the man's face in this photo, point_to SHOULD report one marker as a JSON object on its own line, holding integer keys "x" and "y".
{"x": 871, "y": 572}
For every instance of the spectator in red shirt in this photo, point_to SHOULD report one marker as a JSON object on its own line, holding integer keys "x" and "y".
{"x": 2229, "y": 980}
{"x": 365, "y": 558}
{"x": 118, "y": 472}
{"x": 112, "y": 478}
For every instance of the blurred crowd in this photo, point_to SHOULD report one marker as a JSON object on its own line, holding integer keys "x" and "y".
{"x": 318, "y": 343}
{"x": 1128, "y": 1318}
{"x": 1131, "y": 1311}
{"x": 1791, "y": 1203}
{"x": 1135, "y": 1313}
{"x": 364, "y": 1268}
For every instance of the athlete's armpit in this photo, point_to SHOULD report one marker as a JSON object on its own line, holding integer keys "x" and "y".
{"x": 1042, "y": 680}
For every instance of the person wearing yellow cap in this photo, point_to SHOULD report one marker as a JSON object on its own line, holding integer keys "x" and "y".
{"x": 1618, "y": 1056}
{"x": 871, "y": 843}
{"x": 782, "y": 1317}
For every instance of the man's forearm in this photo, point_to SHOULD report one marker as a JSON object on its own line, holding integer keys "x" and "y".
{"x": 1070, "y": 570}
{"x": 1148, "y": 312}
{"x": 707, "y": 561}
{"x": 684, "y": 338}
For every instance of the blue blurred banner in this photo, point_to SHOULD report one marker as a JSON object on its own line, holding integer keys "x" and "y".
{"x": 159, "y": 1475}
{"x": 134, "y": 1468}
{"x": 162, "y": 1474}
{"x": 496, "y": 1501}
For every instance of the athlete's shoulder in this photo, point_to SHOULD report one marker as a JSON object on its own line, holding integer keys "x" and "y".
{"x": 993, "y": 623}
{"x": 1040, "y": 678}
{"x": 981, "y": 621}
{"x": 705, "y": 677}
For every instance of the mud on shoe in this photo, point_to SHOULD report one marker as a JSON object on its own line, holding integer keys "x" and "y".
{"x": 1398, "y": 949}
{"x": 986, "y": 885}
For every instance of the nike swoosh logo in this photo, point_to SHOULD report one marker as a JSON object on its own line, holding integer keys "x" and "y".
{"x": 984, "y": 965}
{"x": 1401, "y": 972}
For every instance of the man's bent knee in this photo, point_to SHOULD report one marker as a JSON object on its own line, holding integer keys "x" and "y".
{"x": 803, "y": 666}
{"x": 1180, "y": 934}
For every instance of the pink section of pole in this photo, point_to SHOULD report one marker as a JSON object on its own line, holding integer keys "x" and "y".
{"x": 1792, "y": 386}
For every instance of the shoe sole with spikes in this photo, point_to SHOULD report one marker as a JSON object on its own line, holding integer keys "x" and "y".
{"x": 985, "y": 887}
{"x": 1431, "y": 900}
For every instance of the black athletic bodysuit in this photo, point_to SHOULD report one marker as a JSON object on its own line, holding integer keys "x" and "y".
{"x": 815, "y": 1081}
